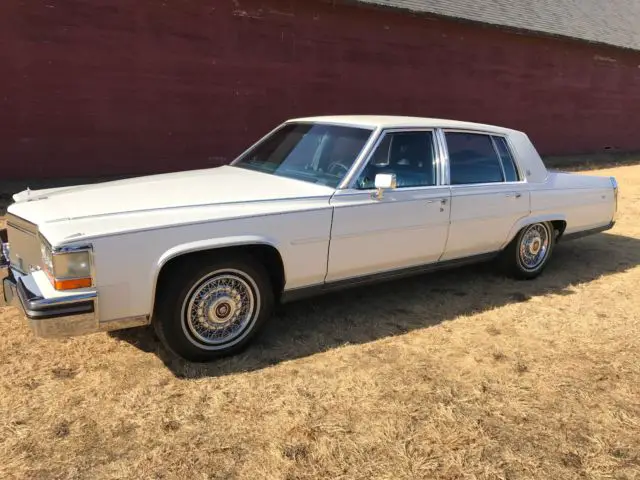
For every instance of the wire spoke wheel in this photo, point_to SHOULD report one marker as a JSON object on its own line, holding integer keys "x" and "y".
{"x": 220, "y": 309}
{"x": 534, "y": 246}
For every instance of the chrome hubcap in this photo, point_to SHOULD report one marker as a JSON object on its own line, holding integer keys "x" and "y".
{"x": 534, "y": 246}
{"x": 219, "y": 308}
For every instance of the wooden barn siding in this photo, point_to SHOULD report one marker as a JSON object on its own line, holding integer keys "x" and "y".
{"x": 107, "y": 87}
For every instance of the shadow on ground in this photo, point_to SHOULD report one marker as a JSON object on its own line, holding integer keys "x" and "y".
{"x": 365, "y": 314}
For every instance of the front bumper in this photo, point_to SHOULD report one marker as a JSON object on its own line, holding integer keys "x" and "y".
{"x": 49, "y": 313}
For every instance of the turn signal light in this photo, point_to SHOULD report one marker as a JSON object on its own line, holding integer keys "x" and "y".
{"x": 72, "y": 283}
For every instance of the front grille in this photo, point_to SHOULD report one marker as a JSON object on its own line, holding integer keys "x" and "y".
{"x": 25, "y": 253}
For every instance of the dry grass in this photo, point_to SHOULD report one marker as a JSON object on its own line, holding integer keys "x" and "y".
{"x": 457, "y": 375}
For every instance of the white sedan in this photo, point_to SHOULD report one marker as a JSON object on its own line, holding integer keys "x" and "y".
{"x": 317, "y": 204}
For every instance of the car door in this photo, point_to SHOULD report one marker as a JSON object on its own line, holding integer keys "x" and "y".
{"x": 404, "y": 228}
{"x": 488, "y": 195}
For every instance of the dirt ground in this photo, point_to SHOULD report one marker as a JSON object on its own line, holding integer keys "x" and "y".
{"x": 457, "y": 375}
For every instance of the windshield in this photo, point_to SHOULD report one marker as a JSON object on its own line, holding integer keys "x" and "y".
{"x": 305, "y": 151}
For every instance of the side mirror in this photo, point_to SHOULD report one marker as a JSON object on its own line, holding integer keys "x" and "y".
{"x": 383, "y": 182}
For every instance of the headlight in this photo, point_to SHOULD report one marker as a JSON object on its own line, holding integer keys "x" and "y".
{"x": 72, "y": 265}
{"x": 67, "y": 270}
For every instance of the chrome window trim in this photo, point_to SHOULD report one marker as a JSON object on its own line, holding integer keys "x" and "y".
{"x": 444, "y": 157}
{"x": 368, "y": 155}
{"x": 497, "y": 152}
{"x": 479, "y": 131}
{"x": 258, "y": 142}
{"x": 348, "y": 192}
{"x": 359, "y": 126}
{"x": 522, "y": 179}
{"x": 361, "y": 160}
{"x": 486, "y": 184}
{"x": 513, "y": 158}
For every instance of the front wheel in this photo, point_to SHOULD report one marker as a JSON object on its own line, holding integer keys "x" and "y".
{"x": 530, "y": 251}
{"x": 213, "y": 310}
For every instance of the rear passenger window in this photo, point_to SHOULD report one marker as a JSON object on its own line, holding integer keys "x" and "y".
{"x": 510, "y": 170}
{"x": 473, "y": 159}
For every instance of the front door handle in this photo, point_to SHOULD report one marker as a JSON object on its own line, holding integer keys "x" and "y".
{"x": 513, "y": 195}
{"x": 442, "y": 201}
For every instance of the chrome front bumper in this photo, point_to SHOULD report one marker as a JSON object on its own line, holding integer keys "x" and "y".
{"x": 47, "y": 315}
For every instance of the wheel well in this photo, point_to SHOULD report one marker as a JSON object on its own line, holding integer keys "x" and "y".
{"x": 267, "y": 255}
{"x": 559, "y": 226}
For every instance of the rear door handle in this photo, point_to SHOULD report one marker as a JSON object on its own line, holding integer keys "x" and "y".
{"x": 513, "y": 195}
{"x": 442, "y": 201}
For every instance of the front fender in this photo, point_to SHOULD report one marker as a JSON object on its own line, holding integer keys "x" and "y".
{"x": 523, "y": 222}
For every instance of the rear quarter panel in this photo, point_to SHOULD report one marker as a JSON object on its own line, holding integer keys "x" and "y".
{"x": 585, "y": 201}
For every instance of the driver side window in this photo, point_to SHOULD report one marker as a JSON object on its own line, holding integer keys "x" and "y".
{"x": 408, "y": 155}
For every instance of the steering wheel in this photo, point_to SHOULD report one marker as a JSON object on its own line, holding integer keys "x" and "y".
{"x": 333, "y": 165}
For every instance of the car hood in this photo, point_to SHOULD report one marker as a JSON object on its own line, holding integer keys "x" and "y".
{"x": 216, "y": 186}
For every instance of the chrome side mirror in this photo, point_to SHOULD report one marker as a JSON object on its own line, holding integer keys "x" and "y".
{"x": 383, "y": 181}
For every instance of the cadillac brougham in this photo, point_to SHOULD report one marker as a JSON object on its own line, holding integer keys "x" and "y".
{"x": 317, "y": 204}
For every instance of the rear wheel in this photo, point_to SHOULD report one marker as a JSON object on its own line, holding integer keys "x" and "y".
{"x": 213, "y": 310}
{"x": 529, "y": 252}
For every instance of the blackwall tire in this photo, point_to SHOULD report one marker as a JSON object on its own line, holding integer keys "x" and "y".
{"x": 529, "y": 252}
{"x": 213, "y": 309}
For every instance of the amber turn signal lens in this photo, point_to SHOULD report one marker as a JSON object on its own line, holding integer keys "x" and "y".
{"x": 72, "y": 284}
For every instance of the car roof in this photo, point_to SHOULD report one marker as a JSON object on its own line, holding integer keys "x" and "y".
{"x": 389, "y": 121}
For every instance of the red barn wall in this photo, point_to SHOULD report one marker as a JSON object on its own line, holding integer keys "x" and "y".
{"x": 108, "y": 87}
